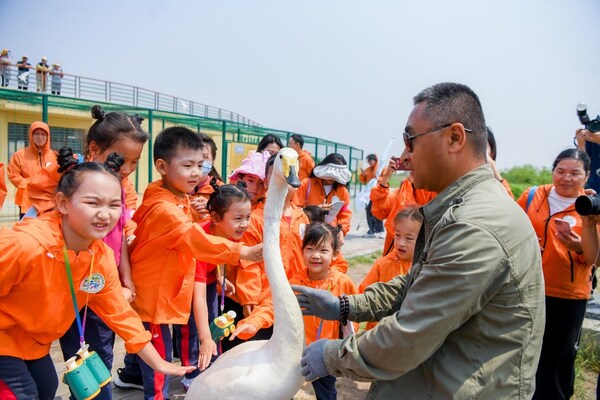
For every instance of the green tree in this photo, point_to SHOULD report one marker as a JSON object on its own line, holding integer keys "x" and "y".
{"x": 522, "y": 177}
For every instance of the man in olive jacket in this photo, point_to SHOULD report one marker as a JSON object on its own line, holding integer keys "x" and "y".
{"x": 467, "y": 321}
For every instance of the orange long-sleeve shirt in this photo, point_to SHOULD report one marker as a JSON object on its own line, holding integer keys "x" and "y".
{"x": 386, "y": 205}
{"x": 567, "y": 275}
{"x": 384, "y": 269}
{"x": 26, "y": 162}
{"x": 249, "y": 279}
{"x": 337, "y": 283}
{"x": 164, "y": 252}
{"x": 368, "y": 173}
{"x": 306, "y": 164}
{"x": 312, "y": 193}
{"x": 2, "y": 185}
{"x": 35, "y": 299}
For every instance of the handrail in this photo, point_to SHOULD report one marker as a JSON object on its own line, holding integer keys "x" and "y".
{"x": 96, "y": 89}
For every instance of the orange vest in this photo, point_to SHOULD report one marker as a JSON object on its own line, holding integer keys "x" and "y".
{"x": 164, "y": 252}
{"x": 384, "y": 269}
{"x": 368, "y": 174}
{"x": 312, "y": 193}
{"x": 386, "y": 205}
{"x": 35, "y": 299}
{"x": 567, "y": 275}
{"x": 337, "y": 283}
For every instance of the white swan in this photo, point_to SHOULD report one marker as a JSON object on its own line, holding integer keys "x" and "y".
{"x": 264, "y": 369}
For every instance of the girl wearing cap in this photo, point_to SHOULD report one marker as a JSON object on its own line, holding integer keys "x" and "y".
{"x": 325, "y": 186}
{"x": 252, "y": 173}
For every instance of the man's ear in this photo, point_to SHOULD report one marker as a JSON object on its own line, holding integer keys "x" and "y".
{"x": 457, "y": 138}
{"x": 61, "y": 202}
{"x": 161, "y": 166}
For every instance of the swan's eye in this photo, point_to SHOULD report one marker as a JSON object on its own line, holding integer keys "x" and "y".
{"x": 280, "y": 156}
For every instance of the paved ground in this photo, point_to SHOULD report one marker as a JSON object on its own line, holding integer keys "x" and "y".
{"x": 354, "y": 245}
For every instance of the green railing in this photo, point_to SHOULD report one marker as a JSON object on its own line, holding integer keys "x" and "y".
{"x": 233, "y": 139}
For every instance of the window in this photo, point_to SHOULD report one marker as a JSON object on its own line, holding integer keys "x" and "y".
{"x": 18, "y": 138}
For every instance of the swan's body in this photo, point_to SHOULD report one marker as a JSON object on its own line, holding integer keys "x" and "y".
{"x": 264, "y": 369}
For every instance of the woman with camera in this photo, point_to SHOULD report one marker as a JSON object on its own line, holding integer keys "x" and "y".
{"x": 567, "y": 271}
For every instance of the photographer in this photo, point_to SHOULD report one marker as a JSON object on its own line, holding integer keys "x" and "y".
{"x": 567, "y": 272}
{"x": 589, "y": 142}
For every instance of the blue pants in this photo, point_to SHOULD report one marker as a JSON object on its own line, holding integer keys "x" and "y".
{"x": 185, "y": 337}
{"x": 325, "y": 388}
{"x": 101, "y": 340}
{"x": 156, "y": 385}
{"x": 26, "y": 380}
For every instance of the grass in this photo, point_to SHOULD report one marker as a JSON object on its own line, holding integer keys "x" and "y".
{"x": 587, "y": 365}
{"x": 364, "y": 259}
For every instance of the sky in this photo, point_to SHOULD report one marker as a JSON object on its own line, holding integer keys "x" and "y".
{"x": 341, "y": 70}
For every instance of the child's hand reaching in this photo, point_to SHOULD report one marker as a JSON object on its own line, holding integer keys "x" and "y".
{"x": 208, "y": 348}
{"x": 248, "y": 329}
{"x": 253, "y": 253}
{"x": 229, "y": 288}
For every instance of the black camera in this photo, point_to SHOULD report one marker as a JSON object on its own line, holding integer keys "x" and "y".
{"x": 588, "y": 205}
{"x": 591, "y": 125}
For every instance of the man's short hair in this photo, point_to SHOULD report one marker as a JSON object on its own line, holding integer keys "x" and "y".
{"x": 298, "y": 139}
{"x": 449, "y": 102}
{"x": 172, "y": 139}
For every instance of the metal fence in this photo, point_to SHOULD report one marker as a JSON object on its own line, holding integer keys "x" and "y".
{"x": 81, "y": 87}
{"x": 67, "y": 117}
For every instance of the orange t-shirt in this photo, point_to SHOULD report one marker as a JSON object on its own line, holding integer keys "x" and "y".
{"x": 35, "y": 299}
{"x": 164, "y": 252}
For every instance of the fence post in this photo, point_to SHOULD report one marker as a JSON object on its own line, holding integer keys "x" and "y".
{"x": 224, "y": 152}
{"x": 150, "y": 145}
{"x": 45, "y": 108}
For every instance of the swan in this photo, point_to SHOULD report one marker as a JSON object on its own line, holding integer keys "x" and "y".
{"x": 264, "y": 369}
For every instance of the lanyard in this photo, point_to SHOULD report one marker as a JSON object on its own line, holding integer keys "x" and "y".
{"x": 80, "y": 327}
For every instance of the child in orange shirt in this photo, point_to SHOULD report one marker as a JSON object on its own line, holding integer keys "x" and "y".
{"x": 229, "y": 208}
{"x": 318, "y": 214}
{"x": 320, "y": 247}
{"x": 39, "y": 258}
{"x": 113, "y": 132}
{"x": 407, "y": 224}
{"x": 164, "y": 252}
{"x": 252, "y": 173}
{"x": 2, "y": 185}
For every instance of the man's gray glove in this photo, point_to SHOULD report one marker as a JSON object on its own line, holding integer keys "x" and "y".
{"x": 318, "y": 302}
{"x": 312, "y": 363}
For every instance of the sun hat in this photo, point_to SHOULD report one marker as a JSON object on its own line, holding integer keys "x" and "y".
{"x": 4, "y": 52}
{"x": 254, "y": 164}
{"x": 44, "y": 58}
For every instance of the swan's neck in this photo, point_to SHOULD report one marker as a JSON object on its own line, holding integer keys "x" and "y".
{"x": 288, "y": 328}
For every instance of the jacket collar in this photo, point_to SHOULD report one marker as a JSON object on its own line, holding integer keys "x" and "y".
{"x": 453, "y": 194}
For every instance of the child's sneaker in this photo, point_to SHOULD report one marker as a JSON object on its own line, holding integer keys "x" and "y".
{"x": 128, "y": 382}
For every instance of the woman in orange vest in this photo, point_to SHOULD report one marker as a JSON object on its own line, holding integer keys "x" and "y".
{"x": 567, "y": 273}
{"x": 52, "y": 258}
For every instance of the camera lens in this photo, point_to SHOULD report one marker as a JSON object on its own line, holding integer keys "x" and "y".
{"x": 588, "y": 205}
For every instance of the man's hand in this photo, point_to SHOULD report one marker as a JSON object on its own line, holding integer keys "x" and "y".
{"x": 312, "y": 363}
{"x": 317, "y": 302}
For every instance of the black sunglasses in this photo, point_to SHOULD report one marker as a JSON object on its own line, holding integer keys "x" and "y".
{"x": 408, "y": 138}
